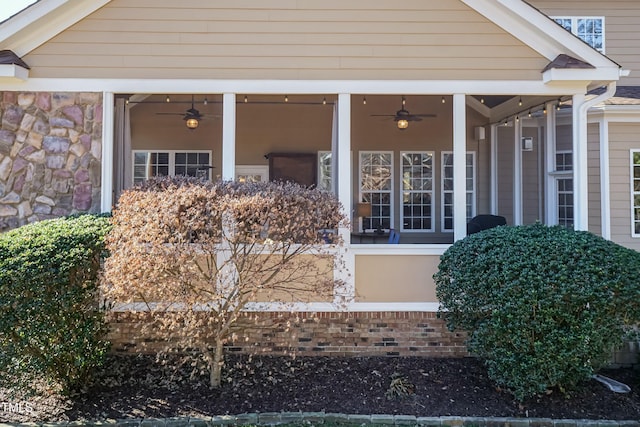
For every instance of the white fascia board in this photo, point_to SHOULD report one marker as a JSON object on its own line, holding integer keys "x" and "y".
{"x": 13, "y": 73}
{"x": 292, "y": 87}
{"x": 42, "y": 21}
{"x": 561, "y": 75}
{"x": 537, "y": 31}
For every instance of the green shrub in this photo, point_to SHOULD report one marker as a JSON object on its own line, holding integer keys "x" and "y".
{"x": 50, "y": 327}
{"x": 544, "y": 306}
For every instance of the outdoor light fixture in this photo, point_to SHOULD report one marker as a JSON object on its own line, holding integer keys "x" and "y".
{"x": 403, "y": 124}
{"x": 192, "y": 122}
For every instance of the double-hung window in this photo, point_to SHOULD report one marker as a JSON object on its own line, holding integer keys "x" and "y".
{"x": 589, "y": 29}
{"x": 147, "y": 164}
{"x": 417, "y": 191}
{"x": 564, "y": 187}
{"x": 447, "y": 188}
{"x": 376, "y": 188}
{"x": 635, "y": 193}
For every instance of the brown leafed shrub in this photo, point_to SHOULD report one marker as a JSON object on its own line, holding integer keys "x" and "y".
{"x": 195, "y": 255}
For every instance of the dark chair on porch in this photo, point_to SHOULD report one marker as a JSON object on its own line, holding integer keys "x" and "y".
{"x": 484, "y": 222}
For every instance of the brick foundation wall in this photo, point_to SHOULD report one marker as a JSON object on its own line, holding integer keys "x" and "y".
{"x": 319, "y": 334}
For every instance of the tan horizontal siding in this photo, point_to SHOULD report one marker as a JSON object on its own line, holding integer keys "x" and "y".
{"x": 505, "y": 172}
{"x": 288, "y": 40}
{"x": 622, "y": 27}
{"x": 623, "y": 137}
{"x": 593, "y": 170}
{"x": 412, "y": 276}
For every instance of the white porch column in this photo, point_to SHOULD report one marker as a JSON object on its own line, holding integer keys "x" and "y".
{"x": 228, "y": 136}
{"x": 343, "y": 154}
{"x": 605, "y": 198}
{"x": 494, "y": 170}
{"x": 551, "y": 216}
{"x": 459, "y": 167}
{"x": 346, "y": 273}
{"x": 580, "y": 170}
{"x": 106, "y": 192}
{"x": 517, "y": 173}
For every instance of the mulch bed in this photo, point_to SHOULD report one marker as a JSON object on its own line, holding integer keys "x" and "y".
{"x": 137, "y": 386}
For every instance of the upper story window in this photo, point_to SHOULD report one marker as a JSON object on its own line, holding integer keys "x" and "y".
{"x": 589, "y": 29}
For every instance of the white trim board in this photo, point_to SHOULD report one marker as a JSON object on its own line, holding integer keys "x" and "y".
{"x": 428, "y": 307}
{"x": 293, "y": 87}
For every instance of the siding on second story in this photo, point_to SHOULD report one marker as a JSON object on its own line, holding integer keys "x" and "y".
{"x": 622, "y": 28}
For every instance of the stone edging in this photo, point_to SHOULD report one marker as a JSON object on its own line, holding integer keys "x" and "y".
{"x": 319, "y": 418}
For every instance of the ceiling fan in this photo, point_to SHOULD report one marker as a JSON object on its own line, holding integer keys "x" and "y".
{"x": 402, "y": 117}
{"x": 191, "y": 117}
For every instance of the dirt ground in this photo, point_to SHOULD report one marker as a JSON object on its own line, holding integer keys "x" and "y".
{"x": 139, "y": 387}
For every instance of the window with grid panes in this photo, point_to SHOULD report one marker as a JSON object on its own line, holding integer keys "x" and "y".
{"x": 564, "y": 188}
{"x": 417, "y": 191}
{"x": 147, "y": 164}
{"x": 376, "y": 188}
{"x": 565, "y": 202}
{"x": 589, "y": 29}
{"x": 447, "y": 188}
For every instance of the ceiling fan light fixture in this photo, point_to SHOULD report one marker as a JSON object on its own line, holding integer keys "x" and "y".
{"x": 403, "y": 124}
{"x": 192, "y": 122}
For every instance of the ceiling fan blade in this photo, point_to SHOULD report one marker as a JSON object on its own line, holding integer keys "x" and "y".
{"x": 170, "y": 114}
{"x": 425, "y": 115}
{"x": 382, "y": 115}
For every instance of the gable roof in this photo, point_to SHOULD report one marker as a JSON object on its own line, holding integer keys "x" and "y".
{"x": 45, "y": 19}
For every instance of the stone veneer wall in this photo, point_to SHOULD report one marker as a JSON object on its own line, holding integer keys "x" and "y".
{"x": 50, "y": 155}
{"x": 320, "y": 334}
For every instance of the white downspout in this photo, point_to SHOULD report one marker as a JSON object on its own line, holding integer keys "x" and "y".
{"x": 580, "y": 170}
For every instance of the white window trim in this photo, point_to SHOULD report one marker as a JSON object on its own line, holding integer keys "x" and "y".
{"x": 555, "y": 176}
{"x": 555, "y": 159}
{"x": 432, "y": 192}
{"x": 474, "y": 191}
{"x": 172, "y": 159}
{"x": 556, "y": 182}
{"x": 633, "y": 192}
{"x": 574, "y": 25}
{"x": 392, "y": 188}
